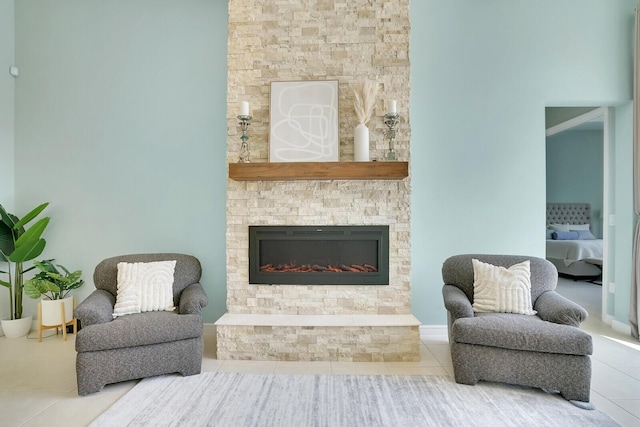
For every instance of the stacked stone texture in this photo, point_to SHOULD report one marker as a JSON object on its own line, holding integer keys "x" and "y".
{"x": 291, "y": 40}
{"x": 318, "y": 40}
{"x": 320, "y": 343}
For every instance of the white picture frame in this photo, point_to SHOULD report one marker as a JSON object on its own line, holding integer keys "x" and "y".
{"x": 304, "y": 121}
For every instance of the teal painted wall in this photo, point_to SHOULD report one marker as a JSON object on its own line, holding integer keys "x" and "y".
{"x": 575, "y": 171}
{"x": 7, "y": 91}
{"x": 624, "y": 227}
{"x": 120, "y": 121}
{"x": 121, "y": 125}
{"x": 482, "y": 74}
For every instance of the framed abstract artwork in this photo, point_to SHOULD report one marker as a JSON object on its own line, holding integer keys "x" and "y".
{"x": 304, "y": 121}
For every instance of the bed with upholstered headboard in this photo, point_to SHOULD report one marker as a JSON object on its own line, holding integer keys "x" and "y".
{"x": 571, "y": 245}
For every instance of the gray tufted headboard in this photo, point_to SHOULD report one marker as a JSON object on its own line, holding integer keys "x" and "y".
{"x": 568, "y": 213}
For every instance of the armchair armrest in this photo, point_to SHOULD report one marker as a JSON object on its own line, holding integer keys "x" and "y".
{"x": 193, "y": 299}
{"x": 456, "y": 302}
{"x": 553, "y": 307}
{"x": 97, "y": 308}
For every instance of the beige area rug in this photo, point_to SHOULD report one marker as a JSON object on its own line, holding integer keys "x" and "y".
{"x": 238, "y": 400}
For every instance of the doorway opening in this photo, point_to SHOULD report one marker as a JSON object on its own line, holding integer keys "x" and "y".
{"x": 578, "y": 171}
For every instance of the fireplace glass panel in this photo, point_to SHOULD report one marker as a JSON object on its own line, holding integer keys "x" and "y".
{"x": 319, "y": 255}
{"x": 294, "y": 255}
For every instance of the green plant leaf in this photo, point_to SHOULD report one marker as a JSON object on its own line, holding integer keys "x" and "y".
{"x": 46, "y": 265}
{"x": 74, "y": 276}
{"x": 6, "y": 241}
{"x": 29, "y": 245}
{"x": 29, "y": 251}
{"x": 31, "y": 215}
{"x": 5, "y": 284}
{"x": 31, "y": 290}
{"x": 75, "y": 285}
{"x": 59, "y": 277}
{"x": 7, "y": 218}
{"x": 36, "y": 287}
{"x": 34, "y": 233}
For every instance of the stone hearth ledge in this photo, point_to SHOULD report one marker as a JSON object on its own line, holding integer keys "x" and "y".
{"x": 317, "y": 320}
{"x": 290, "y": 337}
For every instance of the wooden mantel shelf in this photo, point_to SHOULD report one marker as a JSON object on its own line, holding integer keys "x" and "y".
{"x": 291, "y": 171}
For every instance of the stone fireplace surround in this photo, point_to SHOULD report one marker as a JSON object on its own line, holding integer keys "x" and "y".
{"x": 318, "y": 322}
{"x": 318, "y": 39}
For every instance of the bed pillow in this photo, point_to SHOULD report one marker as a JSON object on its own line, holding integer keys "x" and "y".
{"x": 144, "y": 286}
{"x": 585, "y": 235}
{"x": 549, "y": 234}
{"x": 565, "y": 235}
{"x": 502, "y": 290}
{"x": 569, "y": 227}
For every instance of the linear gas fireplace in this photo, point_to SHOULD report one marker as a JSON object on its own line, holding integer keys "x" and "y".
{"x": 312, "y": 255}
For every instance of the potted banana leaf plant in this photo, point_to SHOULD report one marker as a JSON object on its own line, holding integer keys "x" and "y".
{"x": 19, "y": 245}
{"x": 53, "y": 283}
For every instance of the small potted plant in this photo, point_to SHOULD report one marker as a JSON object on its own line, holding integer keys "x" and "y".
{"x": 17, "y": 246}
{"x": 53, "y": 283}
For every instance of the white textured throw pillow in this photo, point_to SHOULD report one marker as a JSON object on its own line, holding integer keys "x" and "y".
{"x": 144, "y": 286}
{"x": 502, "y": 290}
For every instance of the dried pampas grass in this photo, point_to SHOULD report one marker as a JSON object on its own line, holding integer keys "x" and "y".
{"x": 364, "y": 101}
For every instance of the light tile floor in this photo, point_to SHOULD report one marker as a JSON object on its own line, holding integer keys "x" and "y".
{"x": 37, "y": 380}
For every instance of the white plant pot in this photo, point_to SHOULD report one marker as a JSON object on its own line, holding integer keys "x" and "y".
{"x": 361, "y": 143}
{"x": 52, "y": 311}
{"x": 17, "y": 328}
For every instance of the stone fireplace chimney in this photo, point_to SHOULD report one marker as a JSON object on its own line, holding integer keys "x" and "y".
{"x": 318, "y": 40}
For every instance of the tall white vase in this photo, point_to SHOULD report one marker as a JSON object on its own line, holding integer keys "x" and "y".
{"x": 361, "y": 143}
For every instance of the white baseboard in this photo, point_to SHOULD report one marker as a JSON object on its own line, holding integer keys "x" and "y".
{"x": 623, "y": 328}
{"x": 433, "y": 329}
{"x": 616, "y": 325}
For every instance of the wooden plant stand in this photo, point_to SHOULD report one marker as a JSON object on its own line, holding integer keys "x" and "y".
{"x": 73, "y": 322}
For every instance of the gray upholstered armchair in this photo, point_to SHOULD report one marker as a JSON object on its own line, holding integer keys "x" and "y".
{"x": 547, "y": 350}
{"x": 140, "y": 345}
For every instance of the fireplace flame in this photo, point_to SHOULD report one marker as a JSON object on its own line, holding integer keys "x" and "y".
{"x": 316, "y": 268}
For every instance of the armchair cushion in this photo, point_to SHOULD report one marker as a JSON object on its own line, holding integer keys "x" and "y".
{"x": 139, "y": 330}
{"x": 521, "y": 332}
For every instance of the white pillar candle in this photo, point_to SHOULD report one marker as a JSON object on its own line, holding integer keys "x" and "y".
{"x": 392, "y": 106}
{"x": 244, "y": 108}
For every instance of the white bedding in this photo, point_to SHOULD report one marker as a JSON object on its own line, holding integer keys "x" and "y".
{"x": 571, "y": 251}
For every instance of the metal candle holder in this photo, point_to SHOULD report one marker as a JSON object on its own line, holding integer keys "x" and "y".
{"x": 245, "y": 121}
{"x": 391, "y": 120}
